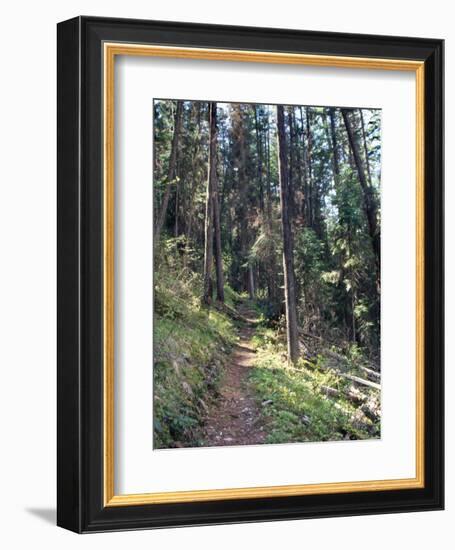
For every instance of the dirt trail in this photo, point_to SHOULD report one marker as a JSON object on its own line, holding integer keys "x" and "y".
{"x": 236, "y": 419}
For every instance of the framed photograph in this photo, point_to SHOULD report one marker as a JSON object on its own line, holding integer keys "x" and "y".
{"x": 250, "y": 274}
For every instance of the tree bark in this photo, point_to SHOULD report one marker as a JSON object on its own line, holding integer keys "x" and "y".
{"x": 216, "y": 204}
{"x": 240, "y": 161}
{"x": 292, "y": 139}
{"x": 288, "y": 253}
{"x": 194, "y": 180}
{"x": 170, "y": 172}
{"x": 251, "y": 289}
{"x": 305, "y": 173}
{"x": 208, "y": 230}
{"x": 365, "y": 146}
{"x": 271, "y": 270}
{"x": 335, "y": 153}
{"x": 176, "y": 222}
{"x": 259, "y": 154}
{"x": 368, "y": 200}
{"x": 310, "y": 190}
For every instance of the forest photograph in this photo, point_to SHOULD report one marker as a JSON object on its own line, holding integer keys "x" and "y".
{"x": 267, "y": 273}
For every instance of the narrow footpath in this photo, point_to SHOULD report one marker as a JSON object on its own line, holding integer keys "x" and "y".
{"x": 236, "y": 419}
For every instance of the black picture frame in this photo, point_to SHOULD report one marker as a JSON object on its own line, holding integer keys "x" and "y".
{"x": 80, "y": 474}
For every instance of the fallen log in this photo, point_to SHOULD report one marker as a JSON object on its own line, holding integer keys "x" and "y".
{"x": 371, "y": 374}
{"x": 341, "y": 358}
{"x": 224, "y": 308}
{"x": 360, "y": 381}
{"x": 369, "y": 413}
{"x": 372, "y": 369}
{"x": 333, "y": 392}
{"x": 309, "y": 335}
{"x": 355, "y": 379}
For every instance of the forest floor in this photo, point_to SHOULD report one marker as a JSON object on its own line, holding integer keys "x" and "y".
{"x": 235, "y": 418}
{"x": 221, "y": 378}
{"x": 262, "y": 399}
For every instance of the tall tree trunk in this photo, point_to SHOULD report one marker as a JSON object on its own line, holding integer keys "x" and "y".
{"x": 305, "y": 173}
{"x": 310, "y": 215}
{"x": 271, "y": 268}
{"x": 368, "y": 199}
{"x": 288, "y": 253}
{"x": 315, "y": 218}
{"x": 292, "y": 170}
{"x": 238, "y": 124}
{"x": 348, "y": 309}
{"x": 171, "y": 171}
{"x": 299, "y": 166}
{"x": 251, "y": 289}
{"x": 194, "y": 180}
{"x": 176, "y": 223}
{"x": 211, "y": 177}
{"x": 365, "y": 146}
{"x": 216, "y": 204}
{"x": 268, "y": 175}
{"x": 335, "y": 153}
{"x": 259, "y": 163}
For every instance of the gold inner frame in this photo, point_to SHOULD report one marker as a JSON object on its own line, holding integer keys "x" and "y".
{"x": 110, "y": 51}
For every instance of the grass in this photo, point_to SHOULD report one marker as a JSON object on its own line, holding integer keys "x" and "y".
{"x": 190, "y": 345}
{"x": 294, "y": 401}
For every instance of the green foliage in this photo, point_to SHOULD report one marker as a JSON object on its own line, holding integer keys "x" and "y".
{"x": 265, "y": 339}
{"x": 178, "y": 403}
{"x": 190, "y": 345}
{"x": 337, "y": 288}
{"x": 296, "y": 405}
{"x": 231, "y": 297}
{"x": 267, "y": 246}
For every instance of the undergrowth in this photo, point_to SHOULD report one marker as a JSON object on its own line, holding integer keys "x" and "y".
{"x": 295, "y": 400}
{"x": 305, "y": 402}
{"x": 190, "y": 343}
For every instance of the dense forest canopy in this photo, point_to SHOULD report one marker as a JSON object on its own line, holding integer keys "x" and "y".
{"x": 278, "y": 204}
{"x": 332, "y": 165}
